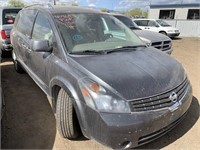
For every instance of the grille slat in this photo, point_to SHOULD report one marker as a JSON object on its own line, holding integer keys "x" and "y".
{"x": 159, "y": 101}
{"x": 165, "y": 45}
{"x": 149, "y": 104}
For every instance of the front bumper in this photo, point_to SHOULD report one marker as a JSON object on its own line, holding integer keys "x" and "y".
{"x": 6, "y": 45}
{"x": 169, "y": 51}
{"x": 173, "y": 34}
{"x": 121, "y": 131}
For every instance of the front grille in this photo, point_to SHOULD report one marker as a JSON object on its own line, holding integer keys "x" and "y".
{"x": 159, "y": 101}
{"x": 163, "y": 46}
{"x": 152, "y": 136}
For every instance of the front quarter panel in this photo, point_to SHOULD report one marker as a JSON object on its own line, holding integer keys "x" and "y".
{"x": 66, "y": 76}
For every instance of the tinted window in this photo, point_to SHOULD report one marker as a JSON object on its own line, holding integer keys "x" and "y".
{"x": 167, "y": 14}
{"x": 25, "y": 22}
{"x": 42, "y": 29}
{"x": 193, "y": 14}
{"x": 142, "y": 22}
{"x": 9, "y": 15}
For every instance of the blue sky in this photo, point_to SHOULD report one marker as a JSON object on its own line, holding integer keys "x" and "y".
{"x": 118, "y": 5}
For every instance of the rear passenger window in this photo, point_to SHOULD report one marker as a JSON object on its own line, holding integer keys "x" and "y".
{"x": 9, "y": 15}
{"x": 42, "y": 29}
{"x": 142, "y": 22}
{"x": 25, "y": 21}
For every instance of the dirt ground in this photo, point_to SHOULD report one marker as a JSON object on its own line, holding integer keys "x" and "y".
{"x": 29, "y": 123}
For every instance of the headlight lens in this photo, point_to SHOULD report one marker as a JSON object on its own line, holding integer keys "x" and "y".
{"x": 97, "y": 97}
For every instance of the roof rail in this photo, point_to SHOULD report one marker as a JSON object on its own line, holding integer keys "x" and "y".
{"x": 33, "y": 5}
{"x": 48, "y": 5}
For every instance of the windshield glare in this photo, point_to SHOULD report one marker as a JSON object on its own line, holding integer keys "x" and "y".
{"x": 163, "y": 23}
{"x": 97, "y": 32}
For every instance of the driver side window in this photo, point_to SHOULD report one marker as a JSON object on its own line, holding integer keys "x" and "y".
{"x": 42, "y": 29}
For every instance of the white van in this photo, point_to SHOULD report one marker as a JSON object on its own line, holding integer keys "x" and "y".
{"x": 157, "y": 25}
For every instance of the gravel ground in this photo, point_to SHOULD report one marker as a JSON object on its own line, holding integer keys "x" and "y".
{"x": 29, "y": 122}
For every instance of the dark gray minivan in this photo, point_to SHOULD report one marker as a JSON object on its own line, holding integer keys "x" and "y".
{"x": 110, "y": 87}
{"x": 7, "y": 19}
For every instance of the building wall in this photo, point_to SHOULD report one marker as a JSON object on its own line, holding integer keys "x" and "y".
{"x": 188, "y": 28}
{"x": 180, "y": 13}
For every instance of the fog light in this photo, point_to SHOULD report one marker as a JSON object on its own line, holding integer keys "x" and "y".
{"x": 126, "y": 144}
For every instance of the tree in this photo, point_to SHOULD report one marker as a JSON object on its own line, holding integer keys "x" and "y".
{"x": 15, "y": 3}
{"x": 145, "y": 14}
{"x": 104, "y": 9}
{"x": 74, "y": 4}
{"x": 135, "y": 12}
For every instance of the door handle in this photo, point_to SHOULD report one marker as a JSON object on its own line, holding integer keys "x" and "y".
{"x": 28, "y": 50}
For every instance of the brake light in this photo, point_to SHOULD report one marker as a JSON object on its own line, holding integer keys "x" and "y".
{"x": 3, "y": 34}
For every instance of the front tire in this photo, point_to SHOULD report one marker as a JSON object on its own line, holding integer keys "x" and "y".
{"x": 66, "y": 119}
{"x": 163, "y": 32}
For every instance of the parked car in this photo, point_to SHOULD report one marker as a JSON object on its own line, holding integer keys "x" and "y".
{"x": 157, "y": 25}
{"x": 7, "y": 18}
{"x": 112, "y": 88}
{"x": 159, "y": 41}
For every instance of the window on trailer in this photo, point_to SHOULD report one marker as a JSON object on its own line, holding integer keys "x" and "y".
{"x": 167, "y": 14}
{"x": 193, "y": 14}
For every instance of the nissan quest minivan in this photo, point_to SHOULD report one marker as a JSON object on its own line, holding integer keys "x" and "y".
{"x": 110, "y": 88}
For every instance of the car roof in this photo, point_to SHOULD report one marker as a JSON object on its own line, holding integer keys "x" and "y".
{"x": 64, "y": 9}
{"x": 113, "y": 14}
{"x": 1, "y": 8}
{"x": 144, "y": 19}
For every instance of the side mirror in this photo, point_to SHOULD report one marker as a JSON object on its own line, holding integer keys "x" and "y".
{"x": 41, "y": 46}
{"x": 157, "y": 25}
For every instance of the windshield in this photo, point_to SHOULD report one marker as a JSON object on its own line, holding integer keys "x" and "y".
{"x": 97, "y": 32}
{"x": 126, "y": 21}
{"x": 163, "y": 23}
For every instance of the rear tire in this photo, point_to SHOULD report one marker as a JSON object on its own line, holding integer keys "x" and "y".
{"x": 66, "y": 119}
{"x": 17, "y": 65}
{"x": 5, "y": 54}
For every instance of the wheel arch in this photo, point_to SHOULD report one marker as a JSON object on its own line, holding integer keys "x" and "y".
{"x": 162, "y": 31}
{"x": 55, "y": 85}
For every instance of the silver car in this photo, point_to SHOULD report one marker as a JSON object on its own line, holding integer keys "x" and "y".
{"x": 7, "y": 19}
{"x": 157, "y": 40}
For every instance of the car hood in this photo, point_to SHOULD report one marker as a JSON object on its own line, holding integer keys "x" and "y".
{"x": 135, "y": 74}
{"x": 151, "y": 36}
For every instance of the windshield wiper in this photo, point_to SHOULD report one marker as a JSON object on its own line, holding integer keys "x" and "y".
{"x": 87, "y": 52}
{"x": 124, "y": 49}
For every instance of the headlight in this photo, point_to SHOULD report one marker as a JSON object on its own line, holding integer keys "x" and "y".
{"x": 146, "y": 41}
{"x": 97, "y": 97}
